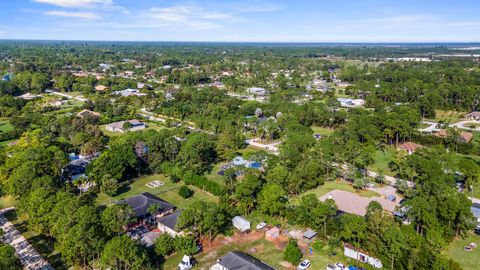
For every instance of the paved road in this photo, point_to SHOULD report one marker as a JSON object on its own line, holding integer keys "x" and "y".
{"x": 465, "y": 124}
{"x": 29, "y": 257}
{"x": 430, "y": 129}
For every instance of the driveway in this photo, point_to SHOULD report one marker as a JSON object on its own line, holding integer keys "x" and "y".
{"x": 271, "y": 147}
{"x": 28, "y": 256}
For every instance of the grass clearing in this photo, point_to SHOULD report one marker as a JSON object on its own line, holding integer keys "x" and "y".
{"x": 381, "y": 160}
{"x": 322, "y": 131}
{"x": 338, "y": 184}
{"x": 168, "y": 192}
{"x": 7, "y": 201}
{"x": 448, "y": 116}
{"x": 467, "y": 259}
{"x": 5, "y": 125}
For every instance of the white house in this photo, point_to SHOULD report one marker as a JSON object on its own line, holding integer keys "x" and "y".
{"x": 350, "y": 103}
{"x": 167, "y": 224}
{"x": 118, "y": 126}
{"x": 360, "y": 255}
{"x": 258, "y": 91}
{"x": 241, "y": 223}
{"x": 129, "y": 92}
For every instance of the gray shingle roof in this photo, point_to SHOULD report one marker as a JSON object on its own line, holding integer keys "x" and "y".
{"x": 171, "y": 220}
{"x": 140, "y": 204}
{"x": 236, "y": 260}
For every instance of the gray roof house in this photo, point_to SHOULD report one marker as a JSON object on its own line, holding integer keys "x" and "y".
{"x": 167, "y": 224}
{"x": 237, "y": 260}
{"x": 140, "y": 204}
{"x": 118, "y": 126}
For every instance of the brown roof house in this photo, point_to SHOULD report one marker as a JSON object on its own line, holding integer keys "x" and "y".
{"x": 88, "y": 113}
{"x": 410, "y": 147}
{"x": 464, "y": 136}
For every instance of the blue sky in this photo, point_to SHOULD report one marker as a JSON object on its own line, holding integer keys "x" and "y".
{"x": 243, "y": 20}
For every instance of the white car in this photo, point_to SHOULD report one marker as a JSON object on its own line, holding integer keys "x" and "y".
{"x": 304, "y": 265}
{"x": 339, "y": 266}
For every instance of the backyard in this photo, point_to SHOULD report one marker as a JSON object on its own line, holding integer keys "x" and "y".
{"x": 448, "y": 116}
{"x": 168, "y": 192}
{"x": 381, "y": 160}
{"x": 468, "y": 260}
{"x": 261, "y": 249}
{"x": 338, "y": 184}
{"x": 322, "y": 131}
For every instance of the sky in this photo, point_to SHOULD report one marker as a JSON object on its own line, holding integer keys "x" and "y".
{"x": 242, "y": 20}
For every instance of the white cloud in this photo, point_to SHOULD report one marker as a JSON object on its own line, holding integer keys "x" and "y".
{"x": 75, "y": 3}
{"x": 190, "y": 17}
{"x": 69, "y": 14}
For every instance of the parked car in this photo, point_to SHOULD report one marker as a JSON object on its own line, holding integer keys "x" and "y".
{"x": 339, "y": 266}
{"x": 330, "y": 267}
{"x": 304, "y": 265}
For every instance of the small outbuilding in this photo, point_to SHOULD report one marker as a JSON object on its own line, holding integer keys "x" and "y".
{"x": 241, "y": 224}
{"x": 309, "y": 234}
{"x": 272, "y": 234}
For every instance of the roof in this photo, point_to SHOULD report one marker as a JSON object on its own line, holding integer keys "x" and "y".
{"x": 476, "y": 210}
{"x": 466, "y": 136}
{"x": 119, "y": 124}
{"x": 236, "y": 260}
{"x": 348, "y": 202}
{"x": 309, "y": 233}
{"x": 409, "y": 146}
{"x": 170, "y": 220}
{"x": 84, "y": 112}
{"x": 474, "y": 114}
{"x": 140, "y": 204}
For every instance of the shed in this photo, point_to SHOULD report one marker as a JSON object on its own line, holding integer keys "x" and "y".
{"x": 309, "y": 234}
{"x": 272, "y": 233}
{"x": 241, "y": 223}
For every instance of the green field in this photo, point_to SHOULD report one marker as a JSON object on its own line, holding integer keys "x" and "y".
{"x": 381, "y": 160}
{"x": 5, "y": 125}
{"x": 150, "y": 125}
{"x": 168, "y": 192}
{"x": 448, "y": 116}
{"x": 7, "y": 201}
{"x": 322, "y": 131}
{"x": 467, "y": 259}
{"x": 338, "y": 184}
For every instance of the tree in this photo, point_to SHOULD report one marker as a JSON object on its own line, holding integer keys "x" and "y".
{"x": 126, "y": 126}
{"x": 292, "y": 253}
{"x": 124, "y": 253}
{"x": 165, "y": 245}
{"x": 115, "y": 218}
{"x": 8, "y": 258}
{"x": 359, "y": 183}
{"x": 185, "y": 192}
{"x": 272, "y": 199}
{"x": 109, "y": 185}
{"x": 197, "y": 153}
{"x": 204, "y": 218}
{"x": 186, "y": 245}
{"x": 380, "y": 178}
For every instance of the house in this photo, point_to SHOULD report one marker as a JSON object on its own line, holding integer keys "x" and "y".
{"x": 241, "y": 224}
{"x": 29, "y": 96}
{"x": 342, "y": 84}
{"x": 142, "y": 203}
{"x": 100, "y": 87}
{"x": 119, "y": 126}
{"x": 167, "y": 224}
{"x": 464, "y": 136}
{"x": 129, "y": 92}
{"x": 257, "y": 91}
{"x": 237, "y": 260}
{"x": 309, "y": 234}
{"x": 410, "y": 147}
{"x": 239, "y": 161}
{"x": 75, "y": 169}
{"x": 473, "y": 116}
{"x": 360, "y": 255}
{"x": 350, "y": 103}
{"x": 140, "y": 85}
{"x": 272, "y": 234}
{"x": 351, "y": 203}
{"x": 88, "y": 113}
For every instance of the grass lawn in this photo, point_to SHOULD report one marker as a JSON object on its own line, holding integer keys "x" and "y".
{"x": 381, "y": 160}
{"x": 448, "y": 116}
{"x": 5, "y": 125}
{"x": 168, "y": 192}
{"x": 322, "y": 131}
{"x": 264, "y": 250}
{"x": 338, "y": 184}
{"x": 150, "y": 125}
{"x": 40, "y": 242}
{"x": 7, "y": 201}
{"x": 467, "y": 259}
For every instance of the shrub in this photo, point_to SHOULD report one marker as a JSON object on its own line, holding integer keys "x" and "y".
{"x": 186, "y": 245}
{"x": 164, "y": 245}
{"x": 185, "y": 192}
{"x": 292, "y": 253}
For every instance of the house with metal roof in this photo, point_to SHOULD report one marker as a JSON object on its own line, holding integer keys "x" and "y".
{"x": 141, "y": 204}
